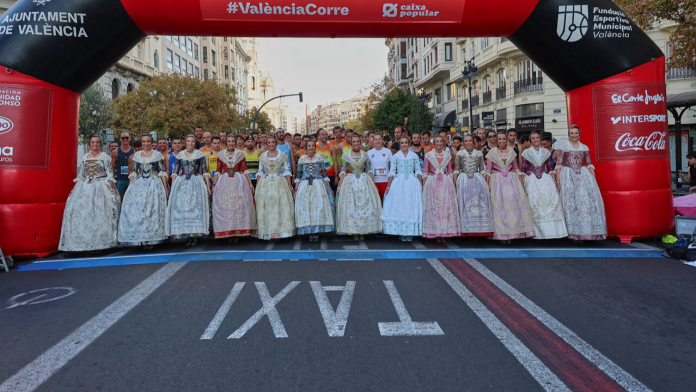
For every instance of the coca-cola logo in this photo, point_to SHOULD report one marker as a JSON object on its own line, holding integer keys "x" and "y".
{"x": 656, "y": 141}
{"x": 645, "y": 98}
{"x": 6, "y": 125}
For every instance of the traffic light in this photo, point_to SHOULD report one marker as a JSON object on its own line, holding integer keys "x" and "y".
{"x": 300, "y": 97}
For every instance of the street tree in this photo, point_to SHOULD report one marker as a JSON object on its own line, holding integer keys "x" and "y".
{"x": 245, "y": 120}
{"x": 96, "y": 113}
{"x": 397, "y": 105}
{"x": 647, "y": 13}
{"x": 173, "y": 105}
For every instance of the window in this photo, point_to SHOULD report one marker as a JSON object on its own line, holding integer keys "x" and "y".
{"x": 451, "y": 91}
{"x": 213, "y": 75}
{"x": 253, "y": 83}
{"x": 438, "y": 96}
{"x": 502, "y": 75}
{"x": 130, "y": 87}
{"x": 225, "y": 53}
{"x": 205, "y": 74}
{"x": 138, "y": 52}
{"x": 212, "y": 56}
{"x": 435, "y": 57}
{"x": 170, "y": 62}
{"x": 190, "y": 70}
{"x": 115, "y": 89}
{"x": 232, "y": 74}
{"x": 205, "y": 54}
{"x": 475, "y": 88}
{"x": 487, "y": 84}
{"x": 196, "y": 72}
{"x": 205, "y": 38}
{"x": 177, "y": 63}
{"x": 169, "y": 38}
{"x": 227, "y": 72}
{"x": 195, "y": 51}
{"x": 463, "y": 54}
{"x": 212, "y": 39}
{"x": 403, "y": 50}
{"x": 183, "y": 43}
{"x": 224, "y": 39}
{"x": 448, "y": 51}
{"x": 156, "y": 59}
{"x": 190, "y": 47}
{"x": 176, "y": 41}
{"x": 403, "y": 71}
{"x": 184, "y": 67}
{"x": 532, "y": 109}
{"x": 484, "y": 43}
{"x": 527, "y": 70}
{"x": 472, "y": 49}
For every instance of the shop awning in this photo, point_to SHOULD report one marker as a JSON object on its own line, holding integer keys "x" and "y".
{"x": 445, "y": 121}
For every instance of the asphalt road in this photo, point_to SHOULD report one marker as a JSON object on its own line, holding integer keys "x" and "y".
{"x": 468, "y": 315}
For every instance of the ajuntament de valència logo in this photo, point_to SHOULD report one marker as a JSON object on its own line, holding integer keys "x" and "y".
{"x": 572, "y": 22}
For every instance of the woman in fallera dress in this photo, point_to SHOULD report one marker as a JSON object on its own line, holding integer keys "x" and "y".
{"x": 90, "y": 220}
{"x": 314, "y": 200}
{"x": 540, "y": 184}
{"x": 473, "y": 198}
{"x": 359, "y": 206}
{"x": 234, "y": 214}
{"x": 275, "y": 210}
{"x": 440, "y": 210}
{"x": 402, "y": 214}
{"x": 582, "y": 201}
{"x": 145, "y": 202}
{"x": 188, "y": 213}
{"x": 512, "y": 216}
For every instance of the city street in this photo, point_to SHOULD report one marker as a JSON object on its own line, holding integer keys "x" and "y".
{"x": 346, "y": 315}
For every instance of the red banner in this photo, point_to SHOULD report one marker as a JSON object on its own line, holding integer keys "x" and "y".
{"x": 25, "y": 134}
{"x": 631, "y": 121}
{"x": 436, "y": 11}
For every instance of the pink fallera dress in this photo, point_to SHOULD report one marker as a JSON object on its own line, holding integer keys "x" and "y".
{"x": 440, "y": 210}
{"x": 512, "y": 215}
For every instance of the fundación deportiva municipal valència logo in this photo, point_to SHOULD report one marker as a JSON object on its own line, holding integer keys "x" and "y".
{"x": 572, "y": 22}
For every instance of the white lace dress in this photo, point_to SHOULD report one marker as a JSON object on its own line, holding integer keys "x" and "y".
{"x": 402, "y": 213}
{"x": 90, "y": 220}
{"x": 188, "y": 212}
{"x": 145, "y": 203}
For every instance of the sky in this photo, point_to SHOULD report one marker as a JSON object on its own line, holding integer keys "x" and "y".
{"x": 325, "y": 70}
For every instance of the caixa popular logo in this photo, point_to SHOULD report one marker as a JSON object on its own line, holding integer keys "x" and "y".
{"x": 572, "y": 22}
{"x": 6, "y": 125}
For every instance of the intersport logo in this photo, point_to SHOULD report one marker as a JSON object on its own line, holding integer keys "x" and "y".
{"x": 6, "y": 125}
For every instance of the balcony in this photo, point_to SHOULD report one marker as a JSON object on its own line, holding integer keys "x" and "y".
{"x": 500, "y": 93}
{"x": 487, "y": 97}
{"x": 474, "y": 101}
{"x": 526, "y": 86}
{"x": 680, "y": 73}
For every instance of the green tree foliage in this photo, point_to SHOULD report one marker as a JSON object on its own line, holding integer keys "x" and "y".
{"x": 96, "y": 113}
{"x": 396, "y": 105}
{"x": 647, "y": 13}
{"x": 174, "y": 105}
{"x": 244, "y": 122}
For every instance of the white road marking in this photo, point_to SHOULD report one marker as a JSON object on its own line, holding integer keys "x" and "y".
{"x": 545, "y": 377}
{"x": 406, "y": 326}
{"x": 335, "y": 321}
{"x": 33, "y": 301}
{"x": 268, "y": 309}
{"x": 417, "y": 244}
{"x": 38, "y": 371}
{"x": 222, "y": 312}
{"x": 605, "y": 364}
{"x": 324, "y": 246}
{"x": 362, "y": 245}
{"x": 645, "y": 246}
{"x": 270, "y": 245}
{"x": 298, "y": 244}
{"x": 451, "y": 245}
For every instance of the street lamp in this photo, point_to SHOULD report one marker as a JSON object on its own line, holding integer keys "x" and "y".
{"x": 423, "y": 98}
{"x": 469, "y": 72}
{"x": 253, "y": 124}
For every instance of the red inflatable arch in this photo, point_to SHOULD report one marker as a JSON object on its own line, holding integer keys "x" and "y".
{"x": 51, "y": 51}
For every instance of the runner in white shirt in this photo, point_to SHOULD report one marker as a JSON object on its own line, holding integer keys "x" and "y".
{"x": 380, "y": 158}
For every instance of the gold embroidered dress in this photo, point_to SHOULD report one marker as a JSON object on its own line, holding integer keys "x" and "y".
{"x": 359, "y": 206}
{"x": 275, "y": 209}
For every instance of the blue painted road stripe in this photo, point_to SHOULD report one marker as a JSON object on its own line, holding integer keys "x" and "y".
{"x": 339, "y": 254}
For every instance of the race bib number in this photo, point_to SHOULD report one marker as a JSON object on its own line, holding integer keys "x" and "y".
{"x": 252, "y": 175}
{"x": 380, "y": 172}
{"x": 124, "y": 170}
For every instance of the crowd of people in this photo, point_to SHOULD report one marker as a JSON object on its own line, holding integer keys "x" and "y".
{"x": 483, "y": 184}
